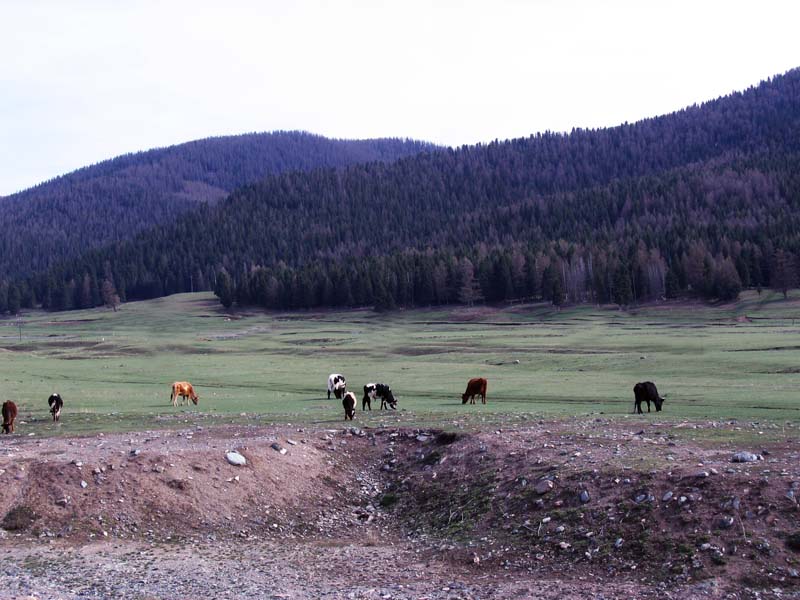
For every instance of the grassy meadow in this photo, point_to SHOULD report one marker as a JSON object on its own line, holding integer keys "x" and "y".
{"x": 114, "y": 369}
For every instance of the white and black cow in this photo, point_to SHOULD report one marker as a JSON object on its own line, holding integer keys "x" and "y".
{"x": 349, "y": 403}
{"x": 337, "y": 385}
{"x": 378, "y": 390}
{"x": 56, "y": 404}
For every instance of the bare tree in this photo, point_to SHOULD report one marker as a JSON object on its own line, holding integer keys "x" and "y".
{"x": 110, "y": 296}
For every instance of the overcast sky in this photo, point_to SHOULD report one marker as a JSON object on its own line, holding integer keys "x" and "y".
{"x": 82, "y": 81}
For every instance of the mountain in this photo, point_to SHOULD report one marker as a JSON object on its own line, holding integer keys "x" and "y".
{"x": 113, "y": 200}
{"x": 704, "y": 201}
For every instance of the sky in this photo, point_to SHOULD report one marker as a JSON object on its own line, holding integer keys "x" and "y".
{"x": 84, "y": 81}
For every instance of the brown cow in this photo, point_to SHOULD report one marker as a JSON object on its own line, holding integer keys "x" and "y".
{"x": 349, "y": 404}
{"x": 9, "y": 414}
{"x": 185, "y": 390}
{"x": 475, "y": 387}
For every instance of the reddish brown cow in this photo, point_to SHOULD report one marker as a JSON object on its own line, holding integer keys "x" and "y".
{"x": 475, "y": 387}
{"x": 9, "y": 414}
{"x": 185, "y": 390}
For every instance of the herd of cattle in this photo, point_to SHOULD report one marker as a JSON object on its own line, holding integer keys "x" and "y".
{"x": 645, "y": 391}
{"x": 337, "y": 385}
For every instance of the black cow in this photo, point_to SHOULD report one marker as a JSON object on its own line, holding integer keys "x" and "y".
{"x": 646, "y": 392}
{"x": 349, "y": 402}
{"x": 56, "y": 404}
{"x": 378, "y": 390}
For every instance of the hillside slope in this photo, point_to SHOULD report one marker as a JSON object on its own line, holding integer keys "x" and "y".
{"x": 115, "y": 199}
{"x": 701, "y": 200}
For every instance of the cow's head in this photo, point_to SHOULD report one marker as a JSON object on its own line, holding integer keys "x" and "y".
{"x": 659, "y": 401}
{"x": 195, "y": 398}
{"x": 390, "y": 399}
{"x": 339, "y": 390}
{"x": 464, "y": 398}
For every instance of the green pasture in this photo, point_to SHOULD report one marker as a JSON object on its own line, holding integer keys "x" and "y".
{"x": 114, "y": 369}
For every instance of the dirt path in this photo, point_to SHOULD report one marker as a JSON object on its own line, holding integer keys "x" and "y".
{"x": 344, "y": 569}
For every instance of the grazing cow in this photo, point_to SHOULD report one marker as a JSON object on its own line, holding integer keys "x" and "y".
{"x": 378, "y": 390}
{"x": 475, "y": 387}
{"x": 9, "y": 414}
{"x": 185, "y": 390}
{"x": 56, "y": 403}
{"x": 337, "y": 385}
{"x": 646, "y": 392}
{"x": 349, "y": 402}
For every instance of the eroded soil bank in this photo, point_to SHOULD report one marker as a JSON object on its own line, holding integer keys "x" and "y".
{"x": 573, "y": 508}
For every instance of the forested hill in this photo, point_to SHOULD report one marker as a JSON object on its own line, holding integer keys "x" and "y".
{"x": 116, "y": 199}
{"x": 704, "y": 200}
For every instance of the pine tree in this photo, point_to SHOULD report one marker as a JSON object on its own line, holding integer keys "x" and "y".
{"x": 784, "y": 274}
{"x": 671, "y": 284}
{"x": 14, "y": 300}
{"x": 623, "y": 294}
{"x": 224, "y": 289}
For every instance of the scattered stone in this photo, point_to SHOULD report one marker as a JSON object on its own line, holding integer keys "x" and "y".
{"x": 236, "y": 459}
{"x": 84, "y": 484}
{"x": 618, "y": 543}
{"x": 793, "y": 541}
{"x": 136, "y": 452}
{"x": 725, "y": 522}
{"x": 584, "y": 496}
{"x": 277, "y": 447}
{"x": 291, "y": 442}
{"x": 560, "y": 529}
{"x": 666, "y": 497}
{"x": 746, "y": 457}
{"x": 543, "y": 486}
{"x": 62, "y": 501}
{"x": 564, "y": 545}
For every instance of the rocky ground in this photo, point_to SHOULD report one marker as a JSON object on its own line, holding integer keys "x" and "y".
{"x": 573, "y": 508}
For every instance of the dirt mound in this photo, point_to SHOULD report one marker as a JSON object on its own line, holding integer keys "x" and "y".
{"x": 179, "y": 483}
{"x": 605, "y": 500}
